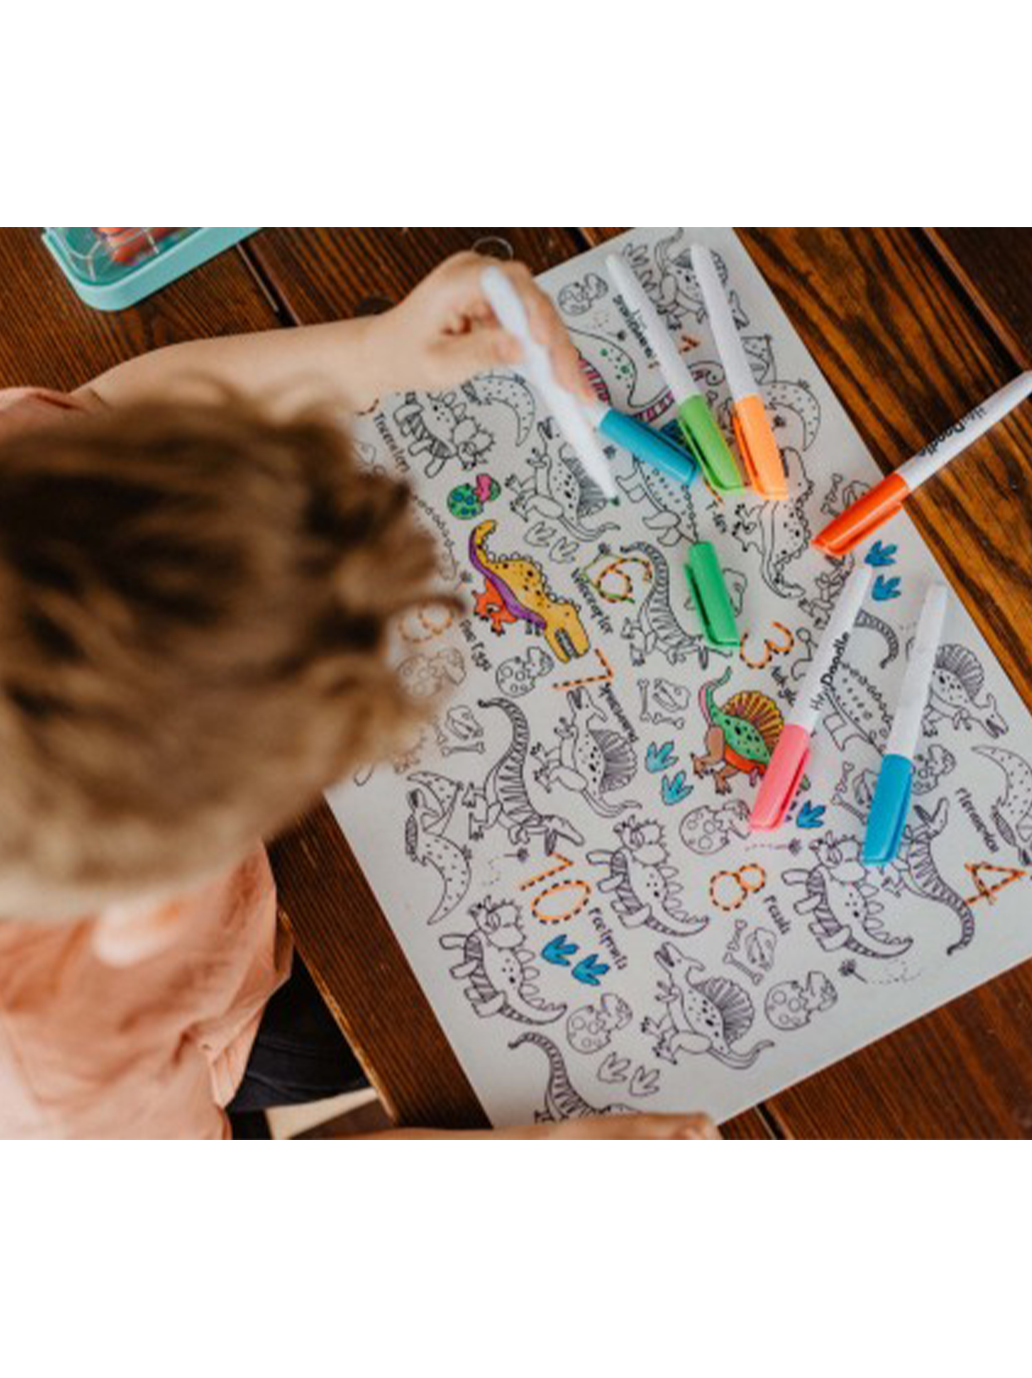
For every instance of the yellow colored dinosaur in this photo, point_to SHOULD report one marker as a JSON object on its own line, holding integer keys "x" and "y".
{"x": 515, "y": 590}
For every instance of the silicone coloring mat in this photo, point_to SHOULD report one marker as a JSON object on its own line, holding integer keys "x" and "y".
{"x": 564, "y": 853}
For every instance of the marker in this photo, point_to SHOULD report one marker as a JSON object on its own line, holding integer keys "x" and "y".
{"x": 702, "y": 435}
{"x": 650, "y": 447}
{"x": 759, "y": 449}
{"x": 891, "y": 802}
{"x": 883, "y": 501}
{"x": 710, "y": 596}
{"x": 785, "y": 768}
{"x": 512, "y": 316}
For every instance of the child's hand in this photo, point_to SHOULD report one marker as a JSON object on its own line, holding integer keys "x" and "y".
{"x": 445, "y": 332}
{"x": 594, "y": 1127}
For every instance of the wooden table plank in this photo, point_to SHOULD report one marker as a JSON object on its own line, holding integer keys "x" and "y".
{"x": 994, "y": 266}
{"x": 908, "y": 353}
{"x": 324, "y": 274}
{"x": 319, "y": 275}
{"x": 50, "y": 338}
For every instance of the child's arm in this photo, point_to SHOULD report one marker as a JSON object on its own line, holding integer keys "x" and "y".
{"x": 441, "y": 334}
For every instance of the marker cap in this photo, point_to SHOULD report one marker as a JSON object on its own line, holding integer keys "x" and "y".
{"x": 710, "y": 596}
{"x": 649, "y": 446}
{"x": 889, "y": 809}
{"x": 863, "y": 518}
{"x": 758, "y": 448}
{"x": 707, "y": 445}
{"x": 781, "y": 781}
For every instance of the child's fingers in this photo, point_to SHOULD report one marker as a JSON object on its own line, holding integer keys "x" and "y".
{"x": 670, "y": 1127}
{"x": 637, "y": 1127}
{"x": 545, "y": 322}
{"x": 457, "y": 357}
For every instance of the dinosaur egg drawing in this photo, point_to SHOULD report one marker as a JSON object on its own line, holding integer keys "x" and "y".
{"x": 468, "y": 500}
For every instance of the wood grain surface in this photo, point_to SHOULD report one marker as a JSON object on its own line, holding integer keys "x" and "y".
{"x": 994, "y": 267}
{"x": 908, "y": 352}
{"x": 49, "y": 338}
{"x": 911, "y": 328}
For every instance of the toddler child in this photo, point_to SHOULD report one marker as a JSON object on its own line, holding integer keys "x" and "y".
{"x": 197, "y": 589}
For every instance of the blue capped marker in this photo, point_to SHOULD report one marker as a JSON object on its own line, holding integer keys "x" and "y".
{"x": 891, "y": 803}
{"x": 650, "y": 447}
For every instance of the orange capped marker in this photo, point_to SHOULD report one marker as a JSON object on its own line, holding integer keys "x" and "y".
{"x": 885, "y": 499}
{"x": 759, "y": 450}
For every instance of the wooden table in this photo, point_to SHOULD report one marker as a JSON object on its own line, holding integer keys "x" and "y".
{"x": 911, "y": 327}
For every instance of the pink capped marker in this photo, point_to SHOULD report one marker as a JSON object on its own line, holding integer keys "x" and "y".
{"x": 785, "y": 769}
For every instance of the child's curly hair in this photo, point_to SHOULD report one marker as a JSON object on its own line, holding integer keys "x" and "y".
{"x": 195, "y": 613}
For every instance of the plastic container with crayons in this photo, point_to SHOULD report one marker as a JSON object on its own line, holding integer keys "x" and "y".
{"x": 113, "y": 267}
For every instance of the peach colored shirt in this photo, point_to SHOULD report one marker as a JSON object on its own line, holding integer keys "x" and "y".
{"x": 154, "y": 1049}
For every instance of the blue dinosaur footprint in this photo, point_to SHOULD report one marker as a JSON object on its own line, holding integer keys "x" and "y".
{"x": 884, "y": 589}
{"x": 657, "y": 758}
{"x": 810, "y": 816}
{"x": 676, "y": 788}
{"x": 559, "y": 952}
{"x": 589, "y": 970}
{"x": 881, "y": 555}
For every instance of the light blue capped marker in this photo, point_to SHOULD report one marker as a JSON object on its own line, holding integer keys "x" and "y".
{"x": 891, "y": 803}
{"x": 651, "y": 448}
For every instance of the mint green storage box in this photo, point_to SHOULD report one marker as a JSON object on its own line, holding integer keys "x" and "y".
{"x": 158, "y": 257}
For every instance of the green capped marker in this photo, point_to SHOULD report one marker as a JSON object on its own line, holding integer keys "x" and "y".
{"x": 703, "y": 438}
{"x": 711, "y": 598}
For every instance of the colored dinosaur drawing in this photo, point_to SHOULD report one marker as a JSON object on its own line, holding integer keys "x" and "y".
{"x": 515, "y": 590}
{"x": 740, "y": 736}
{"x": 591, "y": 759}
{"x": 710, "y": 1015}
{"x": 498, "y": 967}
{"x": 503, "y": 799}
{"x": 562, "y": 1101}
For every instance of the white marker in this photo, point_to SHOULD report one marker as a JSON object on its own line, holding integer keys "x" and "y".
{"x": 701, "y": 434}
{"x": 759, "y": 449}
{"x": 786, "y": 765}
{"x": 512, "y": 316}
{"x": 891, "y": 802}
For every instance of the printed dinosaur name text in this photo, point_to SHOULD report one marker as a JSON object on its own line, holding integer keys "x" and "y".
{"x": 772, "y": 907}
{"x": 976, "y": 820}
{"x": 595, "y": 609}
{"x": 607, "y": 939}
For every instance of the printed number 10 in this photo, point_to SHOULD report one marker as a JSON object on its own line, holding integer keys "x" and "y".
{"x": 544, "y": 905}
